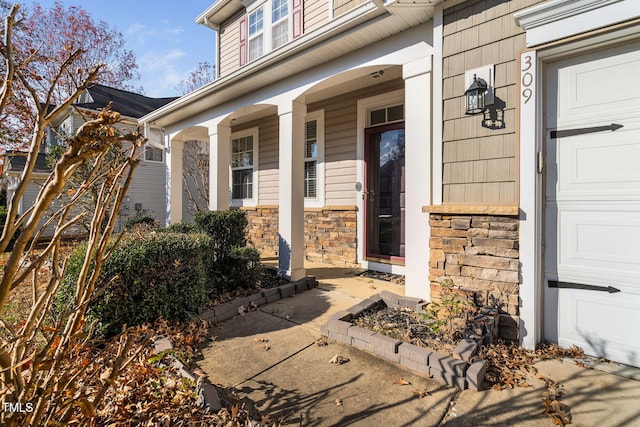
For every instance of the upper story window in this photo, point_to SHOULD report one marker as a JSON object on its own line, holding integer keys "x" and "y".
{"x": 256, "y": 30}
{"x": 268, "y": 25}
{"x": 280, "y": 23}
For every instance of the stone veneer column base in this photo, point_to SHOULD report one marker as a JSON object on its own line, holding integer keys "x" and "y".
{"x": 480, "y": 254}
{"x": 330, "y": 233}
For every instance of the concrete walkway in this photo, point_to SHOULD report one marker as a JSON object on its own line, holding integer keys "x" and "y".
{"x": 270, "y": 357}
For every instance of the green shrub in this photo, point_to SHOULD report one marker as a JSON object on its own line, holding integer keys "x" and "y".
{"x": 140, "y": 218}
{"x": 146, "y": 277}
{"x": 180, "y": 227}
{"x": 241, "y": 268}
{"x": 226, "y": 228}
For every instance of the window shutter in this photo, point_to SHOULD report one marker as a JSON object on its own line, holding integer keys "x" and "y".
{"x": 298, "y": 18}
{"x": 243, "y": 41}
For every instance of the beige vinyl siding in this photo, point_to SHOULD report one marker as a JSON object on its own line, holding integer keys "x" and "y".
{"x": 268, "y": 175}
{"x": 340, "y": 142}
{"x": 148, "y": 188}
{"x": 343, "y": 6}
{"x": 316, "y": 14}
{"x": 230, "y": 45}
{"x": 480, "y": 163}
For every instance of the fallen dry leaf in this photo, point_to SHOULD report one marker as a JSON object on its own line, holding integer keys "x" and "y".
{"x": 401, "y": 381}
{"x": 421, "y": 393}
{"x": 338, "y": 360}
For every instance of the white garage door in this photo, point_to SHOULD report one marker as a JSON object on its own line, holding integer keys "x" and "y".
{"x": 592, "y": 211}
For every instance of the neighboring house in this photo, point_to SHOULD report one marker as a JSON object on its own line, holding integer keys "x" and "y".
{"x": 341, "y": 127}
{"x": 147, "y": 192}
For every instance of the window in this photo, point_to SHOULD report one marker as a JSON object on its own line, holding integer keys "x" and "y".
{"x": 279, "y": 22}
{"x": 314, "y": 159}
{"x": 269, "y": 24}
{"x": 153, "y": 154}
{"x": 386, "y": 115}
{"x": 311, "y": 160}
{"x": 244, "y": 162}
{"x": 256, "y": 41}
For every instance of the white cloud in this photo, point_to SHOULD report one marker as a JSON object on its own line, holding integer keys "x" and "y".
{"x": 163, "y": 71}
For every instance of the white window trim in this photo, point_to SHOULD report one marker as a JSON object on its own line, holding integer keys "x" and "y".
{"x": 256, "y": 155}
{"x": 287, "y": 17}
{"x": 262, "y": 33}
{"x": 267, "y": 26}
{"x": 318, "y": 201}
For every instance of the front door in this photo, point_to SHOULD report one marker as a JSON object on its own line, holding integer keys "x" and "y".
{"x": 592, "y": 223}
{"x": 384, "y": 193}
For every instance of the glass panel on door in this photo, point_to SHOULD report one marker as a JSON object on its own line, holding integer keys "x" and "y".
{"x": 384, "y": 192}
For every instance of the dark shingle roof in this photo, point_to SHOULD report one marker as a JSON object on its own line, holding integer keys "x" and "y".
{"x": 126, "y": 103}
{"x": 15, "y": 161}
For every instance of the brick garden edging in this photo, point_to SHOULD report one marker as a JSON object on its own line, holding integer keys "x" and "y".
{"x": 453, "y": 371}
{"x": 225, "y": 311}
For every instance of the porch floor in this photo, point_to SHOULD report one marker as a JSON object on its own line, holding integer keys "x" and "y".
{"x": 343, "y": 279}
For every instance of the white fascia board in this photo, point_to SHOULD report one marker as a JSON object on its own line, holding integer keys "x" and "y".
{"x": 558, "y": 19}
{"x": 356, "y": 16}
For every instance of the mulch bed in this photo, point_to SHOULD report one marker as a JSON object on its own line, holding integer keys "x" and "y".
{"x": 388, "y": 277}
{"x": 406, "y": 325}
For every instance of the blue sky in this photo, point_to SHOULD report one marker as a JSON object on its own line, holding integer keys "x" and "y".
{"x": 167, "y": 42}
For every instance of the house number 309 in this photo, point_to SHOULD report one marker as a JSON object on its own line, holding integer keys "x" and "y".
{"x": 527, "y": 77}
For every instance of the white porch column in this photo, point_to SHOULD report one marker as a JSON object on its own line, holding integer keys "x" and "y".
{"x": 174, "y": 180}
{"x": 219, "y": 164}
{"x": 417, "y": 107}
{"x": 291, "y": 192}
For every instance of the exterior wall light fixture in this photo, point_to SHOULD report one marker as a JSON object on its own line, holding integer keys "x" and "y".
{"x": 480, "y": 92}
{"x": 475, "y": 100}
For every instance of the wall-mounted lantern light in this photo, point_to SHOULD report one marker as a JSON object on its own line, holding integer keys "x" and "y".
{"x": 480, "y": 89}
{"x": 475, "y": 96}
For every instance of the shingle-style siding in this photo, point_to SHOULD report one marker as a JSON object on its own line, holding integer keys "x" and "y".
{"x": 340, "y": 142}
{"x": 342, "y": 6}
{"x": 230, "y": 45}
{"x": 480, "y": 164}
{"x": 316, "y": 14}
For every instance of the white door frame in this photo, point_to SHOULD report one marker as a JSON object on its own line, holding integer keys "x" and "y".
{"x": 531, "y": 151}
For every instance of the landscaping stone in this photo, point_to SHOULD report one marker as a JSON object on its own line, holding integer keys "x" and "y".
{"x": 415, "y": 353}
{"x": 465, "y": 349}
{"x": 339, "y": 326}
{"x": 385, "y": 343}
{"x": 271, "y": 295}
{"x": 476, "y": 373}
{"x": 360, "y": 333}
{"x": 341, "y": 315}
{"x": 287, "y": 290}
{"x": 455, "y": 372}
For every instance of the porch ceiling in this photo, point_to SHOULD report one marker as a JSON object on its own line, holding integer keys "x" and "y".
{"x": 368, "y": 25}
{"x": 352, "y": 80}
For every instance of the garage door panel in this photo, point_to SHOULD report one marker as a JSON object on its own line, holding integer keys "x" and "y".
{"x": 593, "y": 164}
{"x": 605, "y": 240}
{"x": 593, "y": 87}
{"x": 599, "y": 323}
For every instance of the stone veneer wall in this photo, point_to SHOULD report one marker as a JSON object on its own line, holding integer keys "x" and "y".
{"x": 262, "y": 231}
{"x": 330, "y": 233}
{"x": 480, "y": 254}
